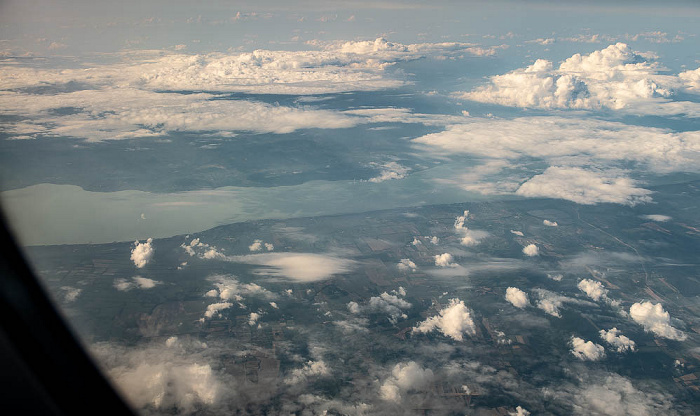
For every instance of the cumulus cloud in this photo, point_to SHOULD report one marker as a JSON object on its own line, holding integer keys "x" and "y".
{"x": 691, "y": 79}
{"x": 615, "y": 338}
{"x": 136, "y": 282}
{"x": 142, "y": 253}
{"x": 338, "y": 67}
{"x": 70, "y": 294}
{"x": 551, "y": 302}
{"x": 593, "y": 289}
{"x": 518, "y": 233}
{"x": 229, "y": 288}
{"x": 390, "y": 304}
{"x": 517, "y": 297}
{"x": 519, "y": 411}
{"x": 586, "y": 350}
{"x": 454, "y": 320}
{"x": 655, "y": 319}
{"x": 612, "y": 78}
{"x": 215, "y": 309}
{"x": 444, "y": 260}
{"x": 406, "y": 265}
{"x": 617, "y": 396}
{"x": 170, "y": 377}
{"x": 301, "y": 267}
{"x": 531, "y": 250}
{"x": 468, "y": 237}
{"x": 259, "y": 244}
{"x": 404, "y": 377}
{"x": 549, "y": 223}
{"x": 311, "y": 369}
{"x": 584, "y": 187}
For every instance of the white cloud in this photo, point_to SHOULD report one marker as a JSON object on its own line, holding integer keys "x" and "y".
{"x": 691, "y": 79}
{"x": 612, "y": 78}
{"x": 70, "y": 294}
{"x": 519, "y": 411}
{"x": 404, "y": 377}
{"x": 518, "y": 233}
{"x": 406, "y": 265}
{"x": 453, "y": 321}
{"x": 142, "y": 253}
{"x": 354, "y": 307}
{"x": 389, "y": 304}
{"x": 531, "y": 250}
{"x": 584, "y": 187}
{"x": 253, "y": 318}
{"x": 585, "y": 157}
{"x": 215, "y": 309}
{"x": 122, "y": 113}
{"x": 301, "y": 267}
{"x": 163, "y": 378}
{"x": 593, "y": 289}
{"x": 549, "y": 223}
{"x": 657, "y": 217}
{"x": 390, "y": 171}
{"x": 444, "y": 260}
{"x": 274, "y": 305}
{"x": 655, "y": 319}
{"x": 556, "y": 277}
{"x": 550, "y": 302}
{"x": 468, "y": 237}
{"x": 259, "y": 244}
{"x": 586, "y": 350}
{"x": 615, "y": 338}
{"x": 229, "y": 288}
{"x": 617, "y": 396}
{"x": 136, "y": 282}
{"x": 312, "y": 369}
{"x": 517, "y": 297}
{"x": 339, "y": 67}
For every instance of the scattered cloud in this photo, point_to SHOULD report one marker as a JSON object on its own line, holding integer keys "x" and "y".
{"x": 259, "y": 244}
{"x": 531, "y": 250}
{"x": 517, "y": 297}
{"x": 468, "y": 237}
{"x": 165, "y": 377}
{"x": 615, "y": 338}
{"x": 404, "y": 377}
{"x": 586, "y": 350}
{"x": 444, "y": 260}
{"x": 311, "y": 369}
{"x": 142, "y": 253}
{"x": 453, "y": 321}
{"x": 593, "y": 289}
{"x": 655, "y": 319}
{"x": 549, "y": 223}
{"x": 70, "y": 294}
{"x": 215, "y": 309}
{"x": 406, "y": 265}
